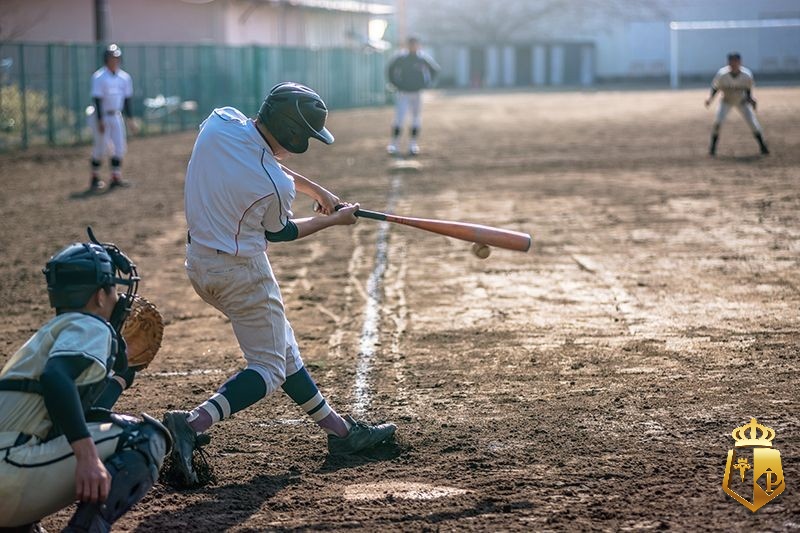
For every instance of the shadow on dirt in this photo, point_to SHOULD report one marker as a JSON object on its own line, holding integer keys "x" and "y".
{"x": 415, "y": 521}
{"x": 753, "y": 158}
{"x": 85, "y": 194}
{"x": 224, "y": 507}
{"x": 386, "y": 451}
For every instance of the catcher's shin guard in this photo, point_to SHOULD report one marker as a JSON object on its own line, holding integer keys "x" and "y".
{"x": 133, "y": 469}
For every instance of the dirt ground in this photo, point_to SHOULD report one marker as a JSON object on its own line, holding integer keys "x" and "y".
{"x": 592, "y": 383}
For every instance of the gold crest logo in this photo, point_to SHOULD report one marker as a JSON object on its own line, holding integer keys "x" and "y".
{"x": 754, "y": 456}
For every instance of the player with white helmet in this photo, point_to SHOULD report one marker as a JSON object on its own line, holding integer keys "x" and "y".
{"x": 736, "y": 84}
{"x": 238, "y": 197}
{"x": 112, "y": 89}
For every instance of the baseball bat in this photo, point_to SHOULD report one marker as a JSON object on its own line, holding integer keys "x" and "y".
{"x": 497, "y": 237}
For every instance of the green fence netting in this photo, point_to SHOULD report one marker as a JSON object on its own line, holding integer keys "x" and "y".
{"x": 45, "y": 88}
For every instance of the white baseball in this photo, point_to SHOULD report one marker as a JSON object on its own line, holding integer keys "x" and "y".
{"x": 481, "y": 251}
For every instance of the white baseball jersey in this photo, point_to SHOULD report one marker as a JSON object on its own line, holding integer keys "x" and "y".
{"x": 235, "y": 190}
{"x": 68, "y": 334}
{"x": 733, "y": 87}
{"x": 111, "y": 88}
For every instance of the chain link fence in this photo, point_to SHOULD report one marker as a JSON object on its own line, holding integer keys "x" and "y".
{"x": 45, "y": 88}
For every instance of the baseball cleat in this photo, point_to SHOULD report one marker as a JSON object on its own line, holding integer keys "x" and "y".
{"x": 96, "y": 185}
{"x": 413, "y": 149}
{"x": 185, "y": 442}
{"x": 391, "y": 149}
{"x": 119, "y": 182}
{"x": 361, "y": 437}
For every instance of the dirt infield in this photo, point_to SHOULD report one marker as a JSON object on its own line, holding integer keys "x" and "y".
{"x": 592, "y": 383}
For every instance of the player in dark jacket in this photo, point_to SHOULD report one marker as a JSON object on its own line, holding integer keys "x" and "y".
{"x": 409, "y": 73}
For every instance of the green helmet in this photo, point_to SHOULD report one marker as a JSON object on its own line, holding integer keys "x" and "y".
{"x": 294, "y": 113}
{"x": 76, "y": 272}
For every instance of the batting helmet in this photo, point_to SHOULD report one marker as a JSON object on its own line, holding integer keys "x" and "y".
{"x": 112, "y": 51}
{"x": 76, "y": 272}
{"x": 294, "y": 113}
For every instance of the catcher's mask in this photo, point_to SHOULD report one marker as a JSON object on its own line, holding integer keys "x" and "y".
{"x": 294, "y": 113}
{"x": 76, "y": 272}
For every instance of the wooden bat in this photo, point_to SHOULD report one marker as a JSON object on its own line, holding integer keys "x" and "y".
{"x": 500, "y": 238}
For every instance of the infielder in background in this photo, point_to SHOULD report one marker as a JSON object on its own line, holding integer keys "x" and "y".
{"x": 237, "y": 198}
{"x": 112, "y": 89}
{"x": 57, "y": 446}
{"x": 410, "y": 72}
{"x": 736, "y": 84}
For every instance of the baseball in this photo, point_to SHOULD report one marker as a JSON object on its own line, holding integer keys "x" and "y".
{"x": 481, "y": 251}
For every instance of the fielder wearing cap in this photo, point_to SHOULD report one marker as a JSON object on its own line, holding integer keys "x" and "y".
{"x": 736, "y": 84}
{"x": 238, "y": 198}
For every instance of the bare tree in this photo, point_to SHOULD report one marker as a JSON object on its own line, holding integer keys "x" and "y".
{"x": 490, "y": 21}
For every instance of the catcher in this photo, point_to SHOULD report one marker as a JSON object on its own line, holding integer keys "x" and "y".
{"x": 58, "y": 445}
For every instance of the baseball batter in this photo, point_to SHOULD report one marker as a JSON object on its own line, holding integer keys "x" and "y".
{"x": 238, "y": 197}
{"x": 112, "y": 89}
{"x": 736, "y": 84}
{"x": 410, "y": 72}
{"x": 56, "y": 445}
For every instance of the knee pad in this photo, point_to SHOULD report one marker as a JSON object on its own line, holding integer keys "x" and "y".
{"x": 148, "y": 436}
{"x": 131, "y": 478}
{"x": 116, "y": 162}
{"x": 133, "y": 468}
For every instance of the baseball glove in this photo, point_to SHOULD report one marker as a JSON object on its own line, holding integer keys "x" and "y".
{"x": 143, "y": 331}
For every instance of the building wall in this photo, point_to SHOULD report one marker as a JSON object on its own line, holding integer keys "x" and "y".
{"x": 231, "y": 22}
{"x": 515, "y": 64}
{"x": 637, "y": 45}
{"x": 42, "y": 21}
{"x": 642, "y": 48}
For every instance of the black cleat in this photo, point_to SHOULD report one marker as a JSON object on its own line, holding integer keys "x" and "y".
{"x": 361, "y": 437}
{"x": 119, "y": 183}
{"x": 96, "y": 185}
{"x": 185, "y": 442}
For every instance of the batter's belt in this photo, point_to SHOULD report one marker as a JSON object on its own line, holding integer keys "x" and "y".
{"x": 197, "y": 247}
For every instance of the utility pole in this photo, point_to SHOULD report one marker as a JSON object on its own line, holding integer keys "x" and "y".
{"x": 402, "y": 21}
{"x": 101, "y": 19}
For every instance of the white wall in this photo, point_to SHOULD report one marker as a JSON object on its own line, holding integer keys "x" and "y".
{"x": 173, "y": 21}
{"x": 642, "y": 48}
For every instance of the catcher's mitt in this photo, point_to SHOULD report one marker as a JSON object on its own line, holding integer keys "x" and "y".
{"x": 143, "y": 331}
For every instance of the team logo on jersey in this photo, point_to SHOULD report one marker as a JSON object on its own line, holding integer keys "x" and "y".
{"x": 754, "y": 467}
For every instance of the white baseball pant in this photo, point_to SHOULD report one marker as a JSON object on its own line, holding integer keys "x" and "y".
{"x": 405, "y": 102}
{"x": 245, "y": 290}
{"x": 113, "y": 140}
{"x": 37, "y": 478}
{"x": 745, "y": 108}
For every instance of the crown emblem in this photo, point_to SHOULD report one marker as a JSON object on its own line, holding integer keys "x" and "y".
{"x": 753, "y": 434}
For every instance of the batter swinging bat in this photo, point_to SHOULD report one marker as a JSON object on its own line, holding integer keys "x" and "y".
{"x": 500, "y": 238}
